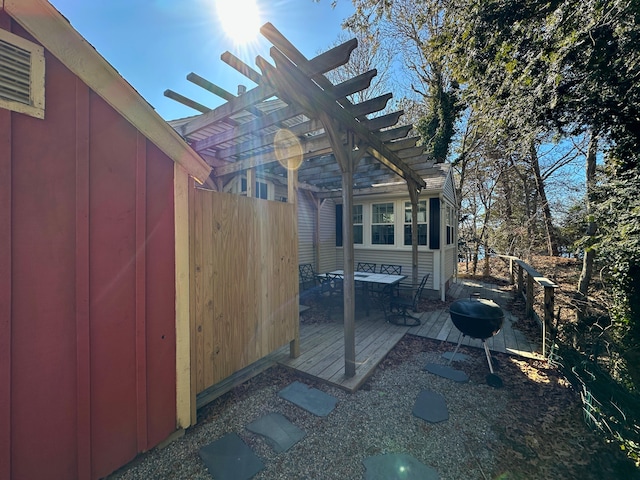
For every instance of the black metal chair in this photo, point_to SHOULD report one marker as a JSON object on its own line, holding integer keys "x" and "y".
{"x": 379, "y": 292}
{"x": 366, "y": 267}
{"x": 332, "y": 290}
{"x": 308, "y": 280}
{"x": 391, "y": 269}
{"x": 403, "y": 298}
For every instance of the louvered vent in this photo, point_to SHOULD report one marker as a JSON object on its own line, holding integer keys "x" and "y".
{"x": 15, "y": 71}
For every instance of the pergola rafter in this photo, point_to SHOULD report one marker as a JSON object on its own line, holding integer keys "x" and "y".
{"x": 343, "y": 148}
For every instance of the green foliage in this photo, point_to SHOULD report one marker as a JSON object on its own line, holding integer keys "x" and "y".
{"x": 436, "y": 128}
{"x": 618, "y": 215}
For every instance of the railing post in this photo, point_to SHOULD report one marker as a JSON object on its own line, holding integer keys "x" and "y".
{"x": 529, "y": 308}
{"x": 549, "y": 293}
{"x": 520, "y": 280}
{"x": 511, "y": 276}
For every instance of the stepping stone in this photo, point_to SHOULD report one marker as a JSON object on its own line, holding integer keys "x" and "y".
{"x": 392, "y": 466}
{"x": 280, "y": 432}
{"x": 311, "y": 399}
{"x": 431, "y": 406}
{"x": 447, "y": 372}
{"x": 229, "y": 458}
{"x": 458, "y": 357}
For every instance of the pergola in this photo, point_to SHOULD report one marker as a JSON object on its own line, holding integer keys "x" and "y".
{"x": 297, "y": 126}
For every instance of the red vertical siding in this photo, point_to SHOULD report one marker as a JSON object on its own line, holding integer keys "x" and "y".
{"x": 5, "y": 285}
{"x": 112, "y": 225}
{"x": 43, "y": 396}
{"x": 83, "y": 319}
{"x": 87, "y": 287}
{"x": 161, "y": 330}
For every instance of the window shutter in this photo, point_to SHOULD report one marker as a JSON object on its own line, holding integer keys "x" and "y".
{"x": 434, "y": 223}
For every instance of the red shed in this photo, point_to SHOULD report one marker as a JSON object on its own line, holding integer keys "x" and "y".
{"x": 93, "y": 187}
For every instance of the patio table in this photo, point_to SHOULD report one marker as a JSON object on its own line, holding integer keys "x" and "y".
{"x": 366, "y": 278}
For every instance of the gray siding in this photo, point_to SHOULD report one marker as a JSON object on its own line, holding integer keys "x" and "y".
{"x": 449, "y": 190}
{"x": 450, "y": 260}
{"x": 306, "y": 230}
{"x": 328, "y": 237}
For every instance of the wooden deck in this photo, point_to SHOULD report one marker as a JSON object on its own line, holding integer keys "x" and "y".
{"x": 322, "y": 344}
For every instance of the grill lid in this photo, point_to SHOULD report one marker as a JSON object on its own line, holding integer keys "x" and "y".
{"x": 477, "y": 308}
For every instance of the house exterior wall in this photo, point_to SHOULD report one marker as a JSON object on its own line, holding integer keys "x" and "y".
{"x": 328, "y": 252}
{"x": 448, "y": 190}
{"x": 87, "y": 377}
{"x": 306, "y": 230}
{"x": 430, "y": 260}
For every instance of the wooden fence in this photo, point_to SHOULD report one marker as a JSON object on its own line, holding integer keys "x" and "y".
{"x": 527, "y": 278}
{"x": 244, "y": 295}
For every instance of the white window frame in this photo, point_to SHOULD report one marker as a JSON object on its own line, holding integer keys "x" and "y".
{"x": 449, "y": 230}
{"x": 420, "y": 222}
{"x": 35, "y": 107}
{"x": 393, "y": 223}
{"x": 359, "y": 224}
{"x": 235, "y": 186}
{"x": 398, "y": 224}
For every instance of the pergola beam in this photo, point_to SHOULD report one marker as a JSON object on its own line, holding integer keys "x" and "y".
{"x": 288, "y": 80}
{"x": 317, "y": 66}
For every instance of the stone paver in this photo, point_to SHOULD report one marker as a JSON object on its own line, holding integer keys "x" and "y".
{"x": 311, "y": 399}
{"x": 279, "y": 432}
{"x": 229, "y": 458}
{"x": 447, "y": 372}
{"x": 431, "y": 406}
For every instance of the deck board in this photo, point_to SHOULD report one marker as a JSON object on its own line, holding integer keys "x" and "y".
{"x": 322, "y": 344}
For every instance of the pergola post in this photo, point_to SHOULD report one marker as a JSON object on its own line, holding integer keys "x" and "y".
{"x": 413, "y": 196}
{"x": 292, "y": 197}
{"x": 348, "y": 157}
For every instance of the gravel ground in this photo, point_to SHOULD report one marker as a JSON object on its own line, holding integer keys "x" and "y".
{"x": 375, "y": 420}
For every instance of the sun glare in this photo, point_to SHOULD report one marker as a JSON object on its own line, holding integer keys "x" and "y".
{"x": 240, "y": 19}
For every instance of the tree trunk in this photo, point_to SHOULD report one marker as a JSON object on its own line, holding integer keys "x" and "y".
{"x": 589, "y": 253}
{"x": 552, "y": 241}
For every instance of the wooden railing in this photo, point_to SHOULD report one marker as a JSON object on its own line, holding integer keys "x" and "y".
{"x": 527, "y": 278}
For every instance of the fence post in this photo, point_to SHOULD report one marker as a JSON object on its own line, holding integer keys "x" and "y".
{"x": 549, "y": 292}
{"x": 529, "y": 295}
{"x": 520, "y": 280}
{"x": 511, "y": 276}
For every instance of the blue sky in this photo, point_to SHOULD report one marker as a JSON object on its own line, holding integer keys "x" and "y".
{"x": 154, "y": 44}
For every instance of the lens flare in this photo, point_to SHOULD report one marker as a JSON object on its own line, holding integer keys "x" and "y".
{"x": 288, "y": 149}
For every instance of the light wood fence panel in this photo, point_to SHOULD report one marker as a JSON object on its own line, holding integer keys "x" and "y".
{"x": 245, "y": 292}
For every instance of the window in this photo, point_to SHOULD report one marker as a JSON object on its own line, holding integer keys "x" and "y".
{"x": 382, "y": 224}
{"x": 357, "y": 225}
{"x": 450, "y": 223}
{"x": 21, "y": 75}
{"x": 261, "y": 189}
{"x": 422, "y": 222}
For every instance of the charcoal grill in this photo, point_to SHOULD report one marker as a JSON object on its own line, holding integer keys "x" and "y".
{"x": 481, "y": 319}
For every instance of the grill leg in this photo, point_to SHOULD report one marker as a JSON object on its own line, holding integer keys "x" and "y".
{"x": 457, "y": 347}
{"x": 486, "y": 351}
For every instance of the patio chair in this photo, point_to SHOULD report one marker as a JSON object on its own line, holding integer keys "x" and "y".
{"x": 401, "y": 300}
{"x": 391, "y": 269}
{"x": 381, "y": 291}
{"x": 332, "y": 291}
{"x": 366, "y": 267}
{"x": 308, "y": 280}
